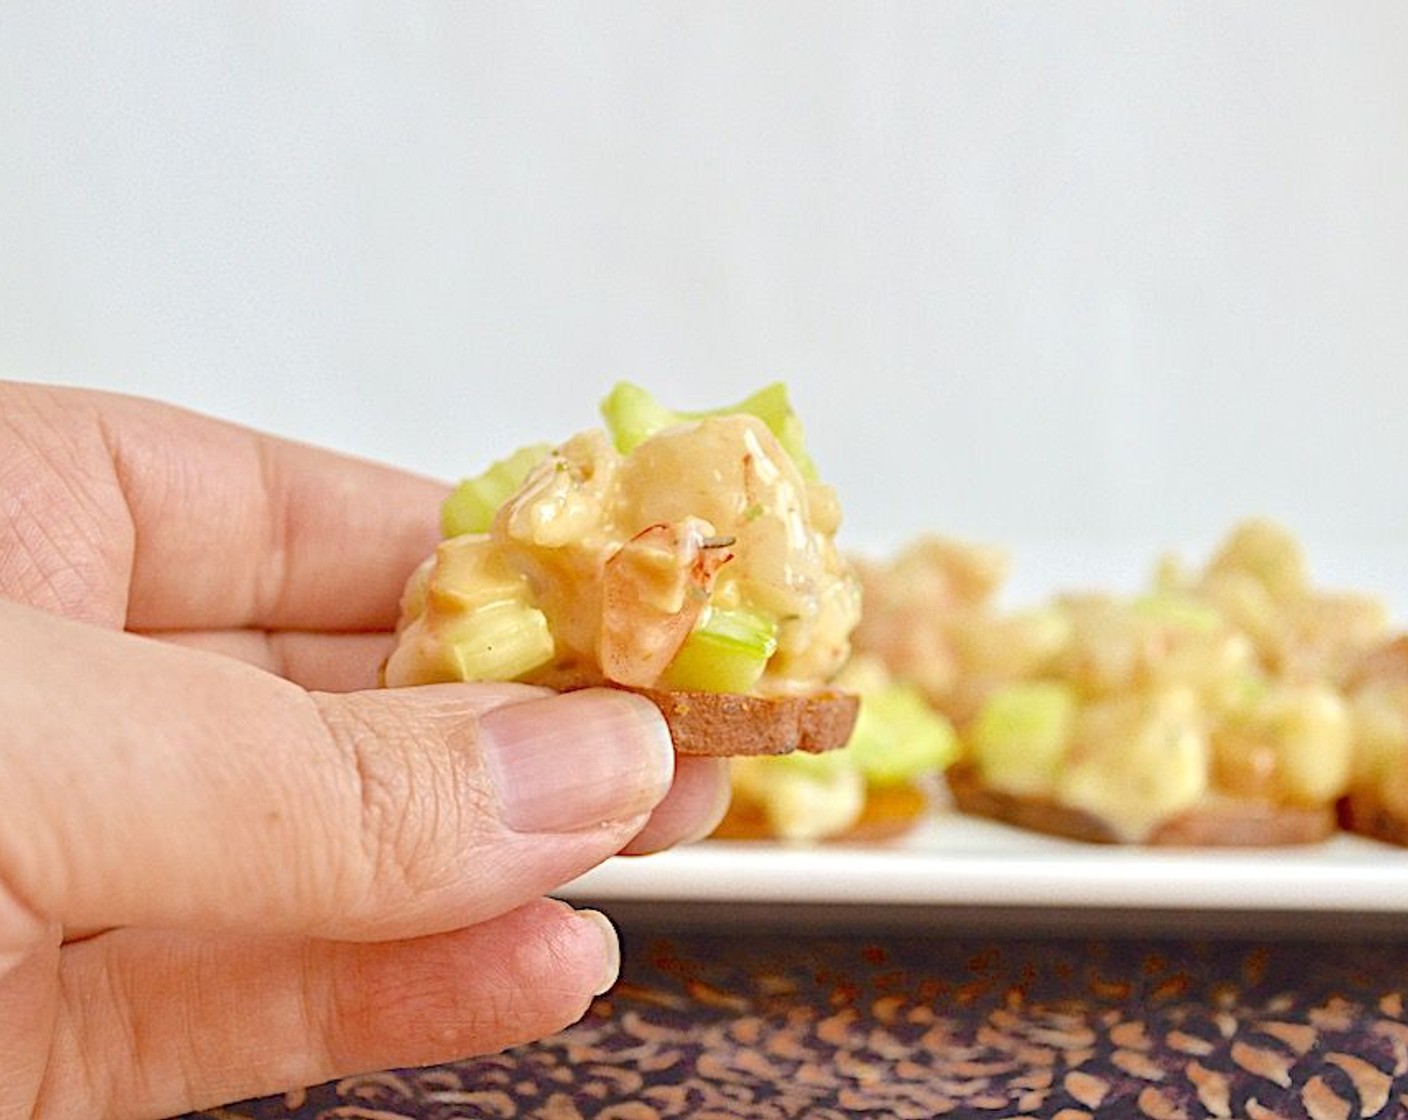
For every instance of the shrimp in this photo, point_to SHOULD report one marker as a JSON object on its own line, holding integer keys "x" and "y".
{"x": 654, "y": 588}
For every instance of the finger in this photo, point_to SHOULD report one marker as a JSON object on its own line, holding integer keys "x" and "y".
{"x": 318, "y": 661}
{"x": 699, "y": 793}
{"x": 179, "y": 789}
{"x": 693, "y": 808}
{"x": 183, "y": 1022}
{"x": 200, "y": 523}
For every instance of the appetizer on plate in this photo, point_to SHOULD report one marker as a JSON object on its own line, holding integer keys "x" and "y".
{"x": 1208, "y": 711}
{"x": 933, "y": 618}
{"x": 877, "y": 788}
{"x": 1376, "y": 803}
{"x": 688, "y": 557}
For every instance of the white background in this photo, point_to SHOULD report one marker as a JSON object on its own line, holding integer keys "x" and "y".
{"x": 1080, "y": 279}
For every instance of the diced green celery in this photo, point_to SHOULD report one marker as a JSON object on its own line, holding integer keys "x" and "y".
{"x": 1178, "y": 610}
{"x": 727, "y": 651}
{"x": 821, "y": 767}
{"x": 1240, "y": 696}
{"x": 899, "y": 737}
{"x": 500, "y": 641}
{"x": 1021, "y": 734}
{"x": 633, "y": 415}
{"x": 471, "y": 506}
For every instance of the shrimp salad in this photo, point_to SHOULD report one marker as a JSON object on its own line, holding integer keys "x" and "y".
{"x": 664, "y": 550}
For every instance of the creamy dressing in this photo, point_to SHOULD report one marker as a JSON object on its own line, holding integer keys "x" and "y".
{"x": 615, "y": 548}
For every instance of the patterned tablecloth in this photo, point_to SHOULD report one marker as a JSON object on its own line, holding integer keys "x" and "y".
{"x": 769, "y": 1025}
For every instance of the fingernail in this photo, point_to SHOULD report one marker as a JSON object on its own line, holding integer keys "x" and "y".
{"x": 718, "y": 808}
{"x": 578, "y": 760}
{"x": 613, "y": 949}
{"x": 697, "y": 802}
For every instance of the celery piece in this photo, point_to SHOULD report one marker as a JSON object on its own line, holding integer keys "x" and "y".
{"x": 727, "y": 651}
{"x": 500, "y": 640}
{"x": 823, "y": 767}
{"x": 1180, "y": 611}
{"x": 497, "y": 642}
{"x": 633, "y": 415}
{"x": 1021, "y": 734}
{"x": 471, "y": 506}
{"x": 899, "y": 737}
{"x": 471, "y": 618}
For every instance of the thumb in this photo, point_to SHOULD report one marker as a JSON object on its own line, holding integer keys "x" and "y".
{"x": 472, "y": 800}
{"x": 183, "y": 789}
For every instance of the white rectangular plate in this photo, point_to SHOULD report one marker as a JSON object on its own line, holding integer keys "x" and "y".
{"x": 957, "y": 866}
{"x": 966, "y": 865}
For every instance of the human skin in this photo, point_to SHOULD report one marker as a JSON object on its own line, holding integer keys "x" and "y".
{"x": 230, "y": 865}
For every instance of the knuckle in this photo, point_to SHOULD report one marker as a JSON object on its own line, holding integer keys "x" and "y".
{"x": 407, "y": 801}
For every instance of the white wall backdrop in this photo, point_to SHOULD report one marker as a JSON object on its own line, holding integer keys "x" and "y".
{"x": 1101, "y": 274}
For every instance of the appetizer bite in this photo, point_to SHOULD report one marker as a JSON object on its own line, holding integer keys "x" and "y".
{"x": 877, "y": 788}
{"x": 1207, "y": 711}
{"x": 690, "y": 557}
{"x": 1376, "y": 803}
{"x": 933, "y": 619}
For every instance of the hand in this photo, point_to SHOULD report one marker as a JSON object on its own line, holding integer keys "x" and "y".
{"x": 217, "y": 882}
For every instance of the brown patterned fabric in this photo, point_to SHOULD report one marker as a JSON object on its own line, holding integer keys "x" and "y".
{"x": 715, "y": 1026}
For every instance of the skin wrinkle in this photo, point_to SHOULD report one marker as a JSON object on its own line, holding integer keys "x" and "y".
{"x": 561, "y": 963}
{"x": 324, "y": 890}
{"x": 45, "y": 569}
{"x": 210, "y": 1055}
{"x": 73, "y": 1006}
{"x": 340, "y": 1008}
{"x": 270, "y": 593}
{"x": 500, "y": 1010}
{"x": 166, "y": 1017}
{"x": 292, "y": 581}
{"x": 121, "y": 575}
{"x": 384, "y": 799}
{"x": 395, "y": 780}
{"x": 50, "y": 1008}
{"x": 338, "y": 884}
{"x": 163, "y": 488}
{"x": 128, "y": 1005}
{"x": 318, "y": 988}
{"x": 352, "y": 1008}
{"x": 194, "y": 1057}
{"x": 120, "y": 1011}
{"x": 65, "y": 556}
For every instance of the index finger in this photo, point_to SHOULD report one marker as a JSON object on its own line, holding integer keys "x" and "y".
{"x": 230, "y": 528}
